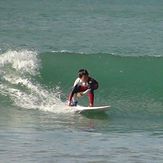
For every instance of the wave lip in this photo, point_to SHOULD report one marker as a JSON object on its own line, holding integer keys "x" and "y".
{"x": 105, "y": 53}
{"x": 23, "y": 61}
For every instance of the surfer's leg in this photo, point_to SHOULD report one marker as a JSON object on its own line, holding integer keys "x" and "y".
{"x": 74, "y": 94}
{"x": 91, "y": 98}
{"x": 83, "y": 88}
{"x": 77, "y": 94}
{"x": 74, "y": 100}
{"x": 91, "y": 94}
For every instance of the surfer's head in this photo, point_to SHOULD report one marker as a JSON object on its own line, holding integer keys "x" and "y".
{"x": 83, "y": 74}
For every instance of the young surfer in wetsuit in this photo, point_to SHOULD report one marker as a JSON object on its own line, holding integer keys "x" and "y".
{"x": 84, "y": 84}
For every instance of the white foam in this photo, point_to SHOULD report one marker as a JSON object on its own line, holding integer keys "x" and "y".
{"x": 16, "y": 71}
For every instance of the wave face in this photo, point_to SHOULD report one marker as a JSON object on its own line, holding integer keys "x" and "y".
{"x": 42, "y": 81}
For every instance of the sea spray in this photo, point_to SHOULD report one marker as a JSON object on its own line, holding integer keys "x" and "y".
{"x": 17, "y": 68}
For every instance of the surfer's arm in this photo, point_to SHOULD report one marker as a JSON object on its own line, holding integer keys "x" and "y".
{"x": 74, "y": 90}
{"x": 72, "y": 93}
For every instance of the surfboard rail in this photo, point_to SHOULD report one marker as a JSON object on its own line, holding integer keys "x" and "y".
{"x": 84, "y": 109}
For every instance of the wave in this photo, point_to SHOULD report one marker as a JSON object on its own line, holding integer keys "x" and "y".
{"x": 41, "y": 81}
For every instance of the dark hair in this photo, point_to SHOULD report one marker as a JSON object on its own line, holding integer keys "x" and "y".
{"x": 82, "y": 72}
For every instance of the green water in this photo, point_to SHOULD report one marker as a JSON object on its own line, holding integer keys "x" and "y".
{"x": 42, "y": 46}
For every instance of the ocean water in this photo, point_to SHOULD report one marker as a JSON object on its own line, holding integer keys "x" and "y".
{"x": 43, "y": 43}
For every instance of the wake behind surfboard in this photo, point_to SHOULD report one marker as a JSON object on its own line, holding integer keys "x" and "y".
{"x": 83, "y": 109}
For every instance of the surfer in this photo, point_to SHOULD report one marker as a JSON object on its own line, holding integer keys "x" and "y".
{"x": 84, "y": 84}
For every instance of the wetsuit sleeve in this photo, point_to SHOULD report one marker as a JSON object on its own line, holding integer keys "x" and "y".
{"x": 76, "y": 82}
{"x": 74, "y": 89}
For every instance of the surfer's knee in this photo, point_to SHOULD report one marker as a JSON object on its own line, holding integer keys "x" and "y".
{"x": 96, "y": 86}
{"x": 93, "y": 87}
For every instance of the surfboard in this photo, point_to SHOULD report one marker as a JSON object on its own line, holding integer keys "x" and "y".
{"x": 83, "y": 109}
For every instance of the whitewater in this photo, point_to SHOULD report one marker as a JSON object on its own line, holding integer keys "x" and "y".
{"x": 17, "y": 70}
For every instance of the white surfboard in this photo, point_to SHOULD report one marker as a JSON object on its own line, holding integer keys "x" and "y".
{"x": 83, "y": 109}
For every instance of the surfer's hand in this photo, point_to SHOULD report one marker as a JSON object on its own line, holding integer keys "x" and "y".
{"x": 85, "y": 92}
{"x": 69, "y": 103}
{"x": 79, "y": 94}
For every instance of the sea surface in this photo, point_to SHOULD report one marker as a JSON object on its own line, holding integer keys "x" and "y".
{"x": 43, "y": 43}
